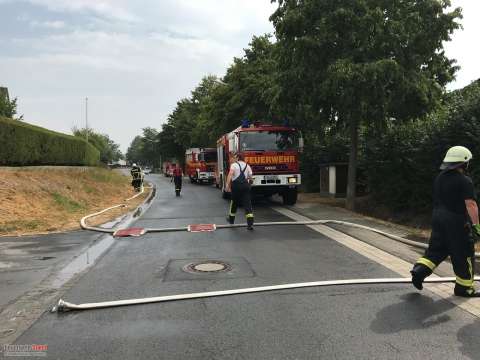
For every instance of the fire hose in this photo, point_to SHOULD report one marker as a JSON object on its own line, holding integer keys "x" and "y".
{"x": 64, "y": 306}
{"x": 310, "y": 222}
{"x": 83, "y": 220}
{"x": 260, "y": 224}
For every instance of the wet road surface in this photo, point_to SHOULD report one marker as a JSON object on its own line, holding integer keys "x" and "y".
{"x": 373, "y": 322}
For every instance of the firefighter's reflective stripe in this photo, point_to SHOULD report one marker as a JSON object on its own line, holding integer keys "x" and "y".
{"x": 467, "y": 282}
{"x": 249, "y": 215}
{"x": 427, "y": 263}
{"x": 464, "y": 282}
{"x": 231, "y": 212}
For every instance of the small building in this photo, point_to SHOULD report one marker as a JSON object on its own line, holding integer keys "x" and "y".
{"x": 334, "y": 179}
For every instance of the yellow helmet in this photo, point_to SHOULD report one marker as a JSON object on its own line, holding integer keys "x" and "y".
{"x": 456, "y": 156}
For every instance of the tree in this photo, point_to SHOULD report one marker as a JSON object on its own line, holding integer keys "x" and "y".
{"x": 8, "y": 108}
{"x": 145, "y": 149}
{"x": 150, "y": 148}
{"x": 362, "y": 62}
{"x": 109, "y": 150}
{"x": 134, "y": 151}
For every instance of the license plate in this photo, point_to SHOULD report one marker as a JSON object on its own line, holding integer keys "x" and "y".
{"x": 271, "y": 177}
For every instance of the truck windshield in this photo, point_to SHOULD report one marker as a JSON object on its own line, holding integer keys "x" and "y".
{"x": 210, "y": 156}
{"x": 268, "y": 140}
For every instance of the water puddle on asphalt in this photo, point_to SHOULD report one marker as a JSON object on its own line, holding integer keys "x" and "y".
{"x": 83, "y": 261}
{"x": 90, "y": 256}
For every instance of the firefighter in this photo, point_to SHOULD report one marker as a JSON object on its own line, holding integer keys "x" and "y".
{"x": 455, "y": 224}
{"x": 137, "y": 177}
{"x": 238, "y": 184}
{"x": 177, "y": 179}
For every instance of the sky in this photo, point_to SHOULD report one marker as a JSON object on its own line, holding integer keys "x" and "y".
{"x": 134, "y": 59}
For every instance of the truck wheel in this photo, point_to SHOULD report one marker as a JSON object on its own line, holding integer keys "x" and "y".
{"x": 290, "y": 196}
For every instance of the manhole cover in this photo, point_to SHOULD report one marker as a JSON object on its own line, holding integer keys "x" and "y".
{"x": 207, "y": 266}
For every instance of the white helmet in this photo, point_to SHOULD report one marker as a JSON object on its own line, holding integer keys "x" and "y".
{"x": 456, "y": 156}
{"x": 134, "y": 165}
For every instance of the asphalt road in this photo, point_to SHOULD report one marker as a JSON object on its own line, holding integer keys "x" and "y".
{"x": 358, "y": 322}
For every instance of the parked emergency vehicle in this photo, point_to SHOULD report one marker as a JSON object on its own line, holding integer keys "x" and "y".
{"x": 200, "y": 164}
{"x": 167, "y": 168}
{"x": 272, "y": 153}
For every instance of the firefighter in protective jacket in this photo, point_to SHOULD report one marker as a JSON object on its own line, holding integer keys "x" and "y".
{"x": 238, "y": 184}
{"x": 454, "y": 224}
{"x": 137, "y": 177}
{"x": 177, "y": 178}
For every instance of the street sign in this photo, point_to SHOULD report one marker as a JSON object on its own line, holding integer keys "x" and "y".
{"x": 202, "y": 227}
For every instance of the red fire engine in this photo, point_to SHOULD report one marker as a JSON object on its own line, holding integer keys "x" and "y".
{"x": 168, "y": 168}
{"x": 201, "y": 164}
{"x": 271, "y": 151}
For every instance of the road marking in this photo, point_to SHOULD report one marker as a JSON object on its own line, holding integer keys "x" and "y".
{"x": 387, "y": 260}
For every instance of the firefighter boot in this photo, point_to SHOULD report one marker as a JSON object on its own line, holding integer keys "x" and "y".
{"x": 250, "y": 223}
{"x": 231, "y": 219}
{"x": 419, "y": 273}
{"x": 464, "y": 291}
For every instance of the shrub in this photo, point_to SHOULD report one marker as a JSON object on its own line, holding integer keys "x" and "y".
{"x": 403, "y": 161}
{"x": 26, "y": 144}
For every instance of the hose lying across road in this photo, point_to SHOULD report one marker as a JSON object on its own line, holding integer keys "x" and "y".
{"x": 273, "y": 223}
{"x": 63, "y": 306}
{"x": 66, "y": 306}
{"x": 84, "y": 225}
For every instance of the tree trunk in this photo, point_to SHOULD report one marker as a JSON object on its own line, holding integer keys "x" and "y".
{"x": 352, "y": 165}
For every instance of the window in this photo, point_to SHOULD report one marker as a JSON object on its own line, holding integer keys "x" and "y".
{"x": 268, "y": 140}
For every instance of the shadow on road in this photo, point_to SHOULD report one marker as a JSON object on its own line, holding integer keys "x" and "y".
{"x": 417, "y": 312}
{"x": 468, "y": 337}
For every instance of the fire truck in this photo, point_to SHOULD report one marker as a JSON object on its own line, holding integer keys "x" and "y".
{"x": 167, "y": 168}
{"x": 201, "y": 164}
{"x": 272, "y": 153}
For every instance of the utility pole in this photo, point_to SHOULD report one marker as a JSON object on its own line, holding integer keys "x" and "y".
{"x": 86, "y": 117}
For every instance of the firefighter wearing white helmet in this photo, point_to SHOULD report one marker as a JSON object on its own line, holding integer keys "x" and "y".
{"x": 137, "y": 177}
{"x": 456, "y": 156}
{"x": 455, "y": 224}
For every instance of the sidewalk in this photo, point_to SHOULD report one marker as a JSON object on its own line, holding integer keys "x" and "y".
{"x": 311, "y": 206}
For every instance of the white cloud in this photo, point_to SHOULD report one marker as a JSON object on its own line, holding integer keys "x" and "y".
{"x": 57, "y": 24}
{"x": 116, "y": 9}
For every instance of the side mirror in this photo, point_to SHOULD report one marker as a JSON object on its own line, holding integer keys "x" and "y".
{"x": 300, "y": 144}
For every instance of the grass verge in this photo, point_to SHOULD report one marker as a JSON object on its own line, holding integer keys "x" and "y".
{"x": 41, "y": 200}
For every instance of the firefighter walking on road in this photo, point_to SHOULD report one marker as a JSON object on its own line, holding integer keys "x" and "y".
{"x": 177, "y": 179}
{"x": 454, "y": 224}
{"x": 137, "y": 177}
{"x": 238, "y": 184}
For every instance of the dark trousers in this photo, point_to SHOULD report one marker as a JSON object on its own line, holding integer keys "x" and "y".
{"x": 137, "y": 183}
{"x": 178, "y": 183}
{"x": 241, "y": 197}
{"x": 451, "y": 237}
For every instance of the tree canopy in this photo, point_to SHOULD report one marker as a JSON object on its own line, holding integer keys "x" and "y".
{"x": 109, "y": 150}
{"x": 363, "y": 62}
{"x": 8, "y": 108}
{"x": 363, "y": 79}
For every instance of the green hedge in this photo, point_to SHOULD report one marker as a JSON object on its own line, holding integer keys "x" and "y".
{"x": 26, "y": 144}
{"x": 403, "y": 161}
